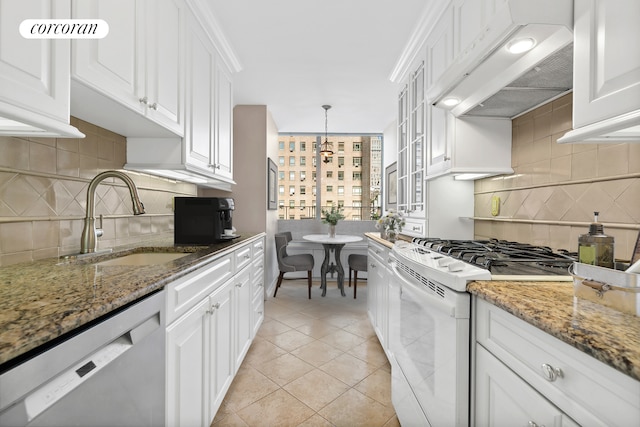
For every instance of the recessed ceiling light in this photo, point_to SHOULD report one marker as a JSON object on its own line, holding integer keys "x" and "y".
{"x": 450, "y": 102}
{"x": 521, "y": 45}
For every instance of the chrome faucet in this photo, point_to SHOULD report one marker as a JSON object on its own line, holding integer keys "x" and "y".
{"x": 90, "y": 233}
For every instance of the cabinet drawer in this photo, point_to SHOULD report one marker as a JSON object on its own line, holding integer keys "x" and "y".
{"x": 379, "y": 251}
{"x": 589, "y": 391}
{"x": 242, "y": 257}
{"x": 185, "y": 292}
{"x": 258, "y": 248}
{"x": 414, "y": 227}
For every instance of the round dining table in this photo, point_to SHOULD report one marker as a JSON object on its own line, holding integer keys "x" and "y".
{"x": 335, "y": 245}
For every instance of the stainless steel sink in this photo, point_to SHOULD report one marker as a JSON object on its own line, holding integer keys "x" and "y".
{"x": 143, "y": 258}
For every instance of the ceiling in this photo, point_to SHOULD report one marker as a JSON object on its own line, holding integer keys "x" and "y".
{"x": 296, "y": 55}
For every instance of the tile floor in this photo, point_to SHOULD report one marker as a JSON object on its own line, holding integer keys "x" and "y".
{"x": 313, "y": 362}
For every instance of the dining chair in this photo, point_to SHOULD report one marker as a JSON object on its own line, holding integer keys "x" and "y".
{"x": 290, "y": 263}
{"x": 356, "y": 263}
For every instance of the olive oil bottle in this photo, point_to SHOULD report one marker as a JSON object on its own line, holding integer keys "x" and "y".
{"x": 595, "y": 247}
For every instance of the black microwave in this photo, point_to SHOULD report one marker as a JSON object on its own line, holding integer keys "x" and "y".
{"x": 203, "y": 220}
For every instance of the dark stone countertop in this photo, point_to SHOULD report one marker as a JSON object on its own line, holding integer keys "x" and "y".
{"x": 46, "y": 299}
{"x": 608, "y": 335}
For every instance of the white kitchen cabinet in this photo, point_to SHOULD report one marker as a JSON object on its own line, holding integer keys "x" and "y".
{"x": 257, "y": 284}
{"x": 34, "y": 73}
{"x": 242, "y": 293}
{"x": 378, "y": 292}
{"x": 140, "y": 65}
{"x": 411, "y": 143}
{"x": 210, "y": 328}
{"x": 187, "y": 370}
{"x": 504, "y": 399}
{"x": 528, "y": 360}
{"x": 467, "y": 145}
{"x": 606, "y": 77}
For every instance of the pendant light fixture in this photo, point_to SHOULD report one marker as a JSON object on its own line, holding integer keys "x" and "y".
{"x": 326, "y": 148}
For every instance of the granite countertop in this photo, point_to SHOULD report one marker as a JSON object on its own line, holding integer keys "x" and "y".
{"x": 608, "y": 335}
{"x": 43, "y": 300}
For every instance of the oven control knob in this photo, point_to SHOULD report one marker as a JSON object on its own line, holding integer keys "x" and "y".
{"x": 456, "y": 266}
{"x": 443, "y": 262}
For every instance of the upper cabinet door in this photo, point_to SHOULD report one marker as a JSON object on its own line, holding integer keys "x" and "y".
{"x": 224, "y": 125}
{"x": 165, "y": 45}
{"x": 34, "y": 73}
{"x": 114, "y": 64}
{"x": 606, "y": 61}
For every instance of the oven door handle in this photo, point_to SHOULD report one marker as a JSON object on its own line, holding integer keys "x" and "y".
{"x": 434, "y": 302}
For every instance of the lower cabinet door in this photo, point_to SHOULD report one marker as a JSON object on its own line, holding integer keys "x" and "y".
{"x": 220, "y": 346}
{"x": 243, "y": 308}
{"x": 502, "y": 398}
{"x": 187, "y": 348}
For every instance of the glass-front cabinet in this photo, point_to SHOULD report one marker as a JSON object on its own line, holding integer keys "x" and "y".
{"x": 411, "y": 144}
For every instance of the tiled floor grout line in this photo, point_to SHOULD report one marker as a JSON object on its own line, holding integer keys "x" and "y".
{"x": 313, "y": 362}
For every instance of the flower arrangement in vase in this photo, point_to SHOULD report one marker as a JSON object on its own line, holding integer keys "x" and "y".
{"x": 390, "y": 225}
{"x": 332, "y": 217}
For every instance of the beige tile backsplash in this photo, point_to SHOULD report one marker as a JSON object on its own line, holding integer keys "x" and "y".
{"x": 555, "y": 188}
{"x": 43, "y": 184}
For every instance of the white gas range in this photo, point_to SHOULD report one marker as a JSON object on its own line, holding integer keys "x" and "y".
{"x": 430, "y": 318}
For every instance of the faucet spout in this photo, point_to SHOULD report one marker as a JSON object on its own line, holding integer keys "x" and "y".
{"x": 89, "y": 233}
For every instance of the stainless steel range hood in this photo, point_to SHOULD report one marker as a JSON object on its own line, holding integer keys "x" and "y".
{"x": 489, "y": 81}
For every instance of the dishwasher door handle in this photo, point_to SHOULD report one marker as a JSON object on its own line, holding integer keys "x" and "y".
{"x": 45, "y": 396}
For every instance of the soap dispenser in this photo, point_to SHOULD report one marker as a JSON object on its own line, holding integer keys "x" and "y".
{"x": 595, "y": 247}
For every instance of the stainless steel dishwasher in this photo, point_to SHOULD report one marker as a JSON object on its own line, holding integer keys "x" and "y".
{"x": 110, "y": 374}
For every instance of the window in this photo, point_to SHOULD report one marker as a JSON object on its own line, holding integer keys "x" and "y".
{"x": 340, "y": 175}
{"x": 303, "y": 161}
{"x": 357, "y": 203}
{"x": 340, "y": 190}
{"x": 281, "y": 175}
{"x": 329, "y": 174}
{"x": 340, "y": 203}
{"x": 292, "y": 146}
{"x": 281, "y": 189}
{"x": 292, "y": 176}
{"x": 330, "y": 203}
{"x": 357, "y": 162}
{"x": 356, "y": 190}
{"x": 292, "y": 190}
{"x": 357, "y": 146}
{"x": 292, "y": 203}
{"x": 329, "y": 188}
{"x": 313, "y": 190}
{"x": 303, "y": 190}
{"x": 357, "y": 176}
{"x": 340, "y": 161}
{"x": 281, "y": 203}
{"x": 303, "y": 175}
{"x": 340, "y": 147}
{"x": 302, "y": 204}
{"x": 281, "y": 145}
{"x": 292, "y": 160}
{"x": 315, "y": 144}
{"x": 313, "y": 160}
{"x": 313, "y": 176}
{"x": 281, "y": 160}
{"x": 303, "y": 146}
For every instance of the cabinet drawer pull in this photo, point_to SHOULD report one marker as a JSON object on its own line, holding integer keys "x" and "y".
{"x": 533, "y": 424}
{"x": 372, "y": 265}
{"x": 551, "y": 373}
{"x": 154, "y": 106}
{"x": 213, "y": 308}
{"x": 143, "y": 100}
{"x": 247, "y": 257}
